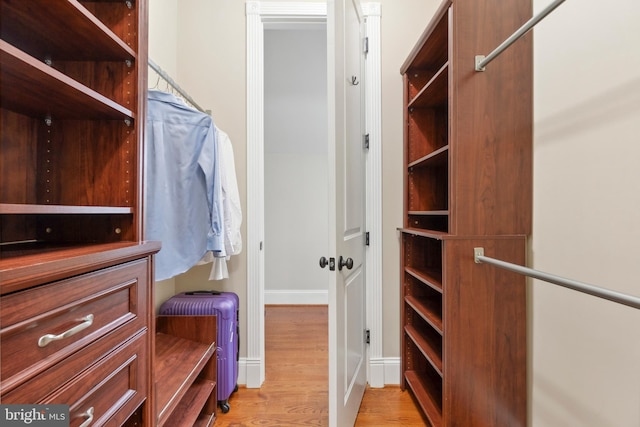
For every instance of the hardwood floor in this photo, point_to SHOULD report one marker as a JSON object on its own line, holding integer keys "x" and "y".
{"x": 295, "y": 389}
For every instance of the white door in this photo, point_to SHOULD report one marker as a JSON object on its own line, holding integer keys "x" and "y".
{"x": 347, "y": 347}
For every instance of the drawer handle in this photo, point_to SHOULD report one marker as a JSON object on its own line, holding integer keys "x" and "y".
{"x": 86, "y": 322}
{"x": 89, "y": 416}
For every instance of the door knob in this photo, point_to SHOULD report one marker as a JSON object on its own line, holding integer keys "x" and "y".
{"x": 323, "y": 262}
{"x": 345, "y": 263}
{"x": 331, "y": 262}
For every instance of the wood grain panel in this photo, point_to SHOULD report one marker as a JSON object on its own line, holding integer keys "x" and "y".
{"x": 60, "y": 30}
{"x": 18, "y": 136}
{"x": 491, "y": 130}
{"x": 121, "y": 20}
{"x": 485, "y": 324}
{"x": 89, "y": 163}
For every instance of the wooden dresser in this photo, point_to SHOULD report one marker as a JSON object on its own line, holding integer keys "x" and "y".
{"x": 468, "y": 184}
{"x": 76, "y": 278}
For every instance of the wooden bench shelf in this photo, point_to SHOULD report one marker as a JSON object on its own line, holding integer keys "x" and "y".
{"x": 185, "y": 370}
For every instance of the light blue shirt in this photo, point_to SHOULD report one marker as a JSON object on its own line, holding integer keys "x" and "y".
{"x": 182, "y": 184}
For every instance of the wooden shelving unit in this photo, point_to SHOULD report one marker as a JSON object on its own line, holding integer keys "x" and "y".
{"x": 186, "y": 370}
{"x": 467, "y": 149}
{"x": 72, "y": 92}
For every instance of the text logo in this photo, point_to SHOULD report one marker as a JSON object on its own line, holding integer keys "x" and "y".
{"x": 34, "y": 415}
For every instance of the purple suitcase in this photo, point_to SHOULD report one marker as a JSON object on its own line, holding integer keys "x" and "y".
{"x": 225, "y": 306}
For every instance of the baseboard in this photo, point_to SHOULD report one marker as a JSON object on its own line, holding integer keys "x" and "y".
{"x": 382, "y": 372}
{"x": 289, "y": 297}
{"x": 391, "y": 371}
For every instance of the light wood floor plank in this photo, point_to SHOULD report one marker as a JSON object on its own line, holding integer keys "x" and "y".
{"x": 295, "y": 389}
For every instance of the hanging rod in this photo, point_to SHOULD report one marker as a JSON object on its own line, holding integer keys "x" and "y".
{"x": 620, "y": 298}
{"x": 482, "y": 61}
{"x": 175, "y": 85}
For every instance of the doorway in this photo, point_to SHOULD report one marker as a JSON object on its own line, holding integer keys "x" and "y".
{"x": 295, "y": 163}
{"x": 258, "y": 15}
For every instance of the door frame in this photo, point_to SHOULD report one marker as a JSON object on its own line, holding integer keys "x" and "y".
{"x": 257, "y": 14}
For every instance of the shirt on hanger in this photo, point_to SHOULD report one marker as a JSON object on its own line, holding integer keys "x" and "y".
{"x": 183, "y": 203}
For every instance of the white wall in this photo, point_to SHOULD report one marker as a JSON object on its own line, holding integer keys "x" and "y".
{"x": 163, "y": 40}
{"x": 585, "y": 352}
{"x": 296, "y": 175}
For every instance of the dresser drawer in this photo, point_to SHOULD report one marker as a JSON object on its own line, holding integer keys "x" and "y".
{"x": 41, "y": 326}
{"x": 113, "y": 385}
{"x": 111, "y": 390}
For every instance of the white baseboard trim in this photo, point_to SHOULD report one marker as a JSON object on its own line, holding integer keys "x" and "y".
{"x": 242, "y": 371}
{"x": 249, "y": 373}
{"x": 289, "y": 297}
{"x": 376, "y": 372}
{"x": 382, "y": 372}
{"x": 392, "y": 371}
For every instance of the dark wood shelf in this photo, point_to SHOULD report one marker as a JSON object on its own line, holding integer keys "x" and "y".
{"x": 19, "y": 208}
{"x": 178, "y": 364}
{"x": 431, "y": 49}
{"x": 431, "y": 234}
{"x": 435, "y": 92}
{"x": 33, "y": 88}
{"x": 429, "y": 213}
{"x": 42, "y": 28}
{"x": 205, "y": 420}
{"x": 430, "y": 400}
{"x": 430, "y": 352}
{"x": 196, "y": 396}
{"x": 436, "y": 158}
{"x": 427, "y": 311}
{"x": 430, "y": 277}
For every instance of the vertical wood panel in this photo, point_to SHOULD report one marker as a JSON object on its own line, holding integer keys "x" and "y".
{"x": 485, "y": 335}
{"x": 492, "y": 125}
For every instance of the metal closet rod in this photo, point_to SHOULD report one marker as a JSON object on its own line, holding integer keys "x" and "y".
{"x": 482, "y": 61}
{"x": 175, "y": 85}
{"x": 620, "y": 298}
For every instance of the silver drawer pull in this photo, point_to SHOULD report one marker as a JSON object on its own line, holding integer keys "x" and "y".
{"x": 89, "y": 416}
{"x": 86, "y": 322}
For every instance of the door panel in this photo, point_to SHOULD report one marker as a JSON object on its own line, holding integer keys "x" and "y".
{"x": 347, "y": 356}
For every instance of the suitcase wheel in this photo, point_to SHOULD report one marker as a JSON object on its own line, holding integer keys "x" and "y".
{"x": 224, "y": 406}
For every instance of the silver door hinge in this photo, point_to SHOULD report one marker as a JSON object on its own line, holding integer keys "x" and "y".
{"x": 365, "y": 139}
{"x": 365, "y": 45}
{"x": 366, "y": 238}
{"x": 367, "y": 336}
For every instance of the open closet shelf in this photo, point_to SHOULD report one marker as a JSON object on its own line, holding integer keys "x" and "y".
{"x": 428, "y": 399}
{"x": 43, "y": 28}
{"x": 19, "y": 208}
{"x": 431, "y": 277}
{"x": 436, "y": 157}
{"x": 178, "y": 361}
{"x": 435, "y": 92}
{"x": 33, "y": 88}
{"x": 428, "y": 310}
{"x": 186, "y": 370}
{"x": 432, "y": 234}
{"x": 433, "y": 354}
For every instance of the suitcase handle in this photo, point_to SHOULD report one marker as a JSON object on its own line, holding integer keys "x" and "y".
{"x": 203, "y": 293}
